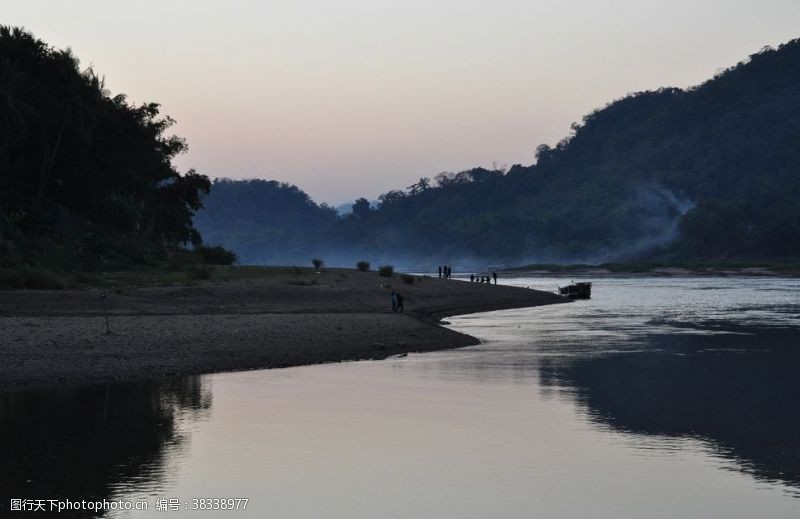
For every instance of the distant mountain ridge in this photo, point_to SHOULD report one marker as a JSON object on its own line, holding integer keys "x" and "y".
{"x": 709, "y": 172}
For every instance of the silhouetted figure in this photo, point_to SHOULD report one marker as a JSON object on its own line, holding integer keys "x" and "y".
{"x": 472, "y": 278}
{"x": 440, "y": 272}
{"x": 395, "y": 301}
{"x": 449, "y": 271}
{"x": 400, "y": 302}
{"x": 494, "y": 275}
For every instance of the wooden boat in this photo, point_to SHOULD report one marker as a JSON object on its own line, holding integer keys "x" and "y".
{"x": 577, "y": 291}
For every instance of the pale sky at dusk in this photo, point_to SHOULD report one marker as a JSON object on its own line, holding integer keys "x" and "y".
{"x": 353, "y": 97}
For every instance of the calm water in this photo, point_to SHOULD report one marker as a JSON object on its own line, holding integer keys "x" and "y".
{"x": 657, "y": 398}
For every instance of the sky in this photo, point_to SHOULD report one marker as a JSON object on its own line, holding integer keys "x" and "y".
{"x": 353, "y": 98}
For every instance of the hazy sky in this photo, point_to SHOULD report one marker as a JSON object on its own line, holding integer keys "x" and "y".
{"x": 355, "y": 97}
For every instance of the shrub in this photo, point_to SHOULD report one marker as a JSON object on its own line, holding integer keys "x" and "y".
{"x": 386, "y": 271}
{"x": 363, "y": 266}
{"x": 217, "y": 255}
{"x": 318, "y": 263}
{"x": 408, "y": 279}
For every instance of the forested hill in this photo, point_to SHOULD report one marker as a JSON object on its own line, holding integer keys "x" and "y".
{"x": 710, "y": 172}
{"x": 86, "y": 178}
{"x": 265, "y": 221}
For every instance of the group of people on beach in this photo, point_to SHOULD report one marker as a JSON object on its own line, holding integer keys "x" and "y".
{"x": 446, "y": 272}
{"x": 483, "y": 279}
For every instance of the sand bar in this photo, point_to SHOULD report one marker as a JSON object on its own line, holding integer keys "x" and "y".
{"x": 49, "y": 337}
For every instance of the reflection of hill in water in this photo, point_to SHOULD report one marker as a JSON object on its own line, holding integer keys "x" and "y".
{"x": 744, "y": 401}
{"x": 84, "y": 442}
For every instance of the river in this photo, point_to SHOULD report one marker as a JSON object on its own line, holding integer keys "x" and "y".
{"x": 659, "y": 397}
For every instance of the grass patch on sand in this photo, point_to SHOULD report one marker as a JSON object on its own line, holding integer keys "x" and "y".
{"x": 187, "y": 275}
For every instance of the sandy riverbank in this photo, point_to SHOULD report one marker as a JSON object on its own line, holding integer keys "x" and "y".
{"x": 60, "y": 336}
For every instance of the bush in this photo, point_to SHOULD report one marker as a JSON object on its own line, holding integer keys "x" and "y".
{"x": 408, "y": 279}
{"x": 363, "y": 266}
{"x": 386, "y": 271}
{"x": 318, "y": 263}
{"x": 217, "y": 255}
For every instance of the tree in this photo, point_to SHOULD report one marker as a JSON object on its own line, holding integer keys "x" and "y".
{"x": 423, "y": 185}
{"x": 361, "y": 208}
{"x": 392, "y": 197}
{"x": 88, "y": 171}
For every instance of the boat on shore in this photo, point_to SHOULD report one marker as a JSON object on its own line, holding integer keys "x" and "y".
{"x": 581, "y": 290}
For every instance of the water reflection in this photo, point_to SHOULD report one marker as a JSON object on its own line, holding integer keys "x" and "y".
{"x": 739, "y": 391}
{"x": 655, "y": 398}
{"x": 84, "y": 442}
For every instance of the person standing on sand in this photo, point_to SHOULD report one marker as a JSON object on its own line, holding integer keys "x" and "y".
{"x": 394, "y": 301}
{"x": 400, "y": 302}
{"x": 440, "y": 272}
{"x": 494, "y": 275}
{"x": 472, "y": 278}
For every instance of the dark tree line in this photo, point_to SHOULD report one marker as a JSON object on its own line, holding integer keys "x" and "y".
{"x": 85, "y": 176}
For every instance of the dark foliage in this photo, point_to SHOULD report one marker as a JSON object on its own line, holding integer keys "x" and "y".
{"x": 85, "y": 177}
{"x": 363, "y": 266}
{"x": 386, "y": 271}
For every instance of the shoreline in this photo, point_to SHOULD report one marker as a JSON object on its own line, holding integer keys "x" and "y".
{"x": 621, "y": 270}
{"x": 59, "y": 337}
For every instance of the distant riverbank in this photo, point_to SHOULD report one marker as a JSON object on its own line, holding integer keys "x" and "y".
{"x": 288, "y": 317}
{"x": 660, "y": 269}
